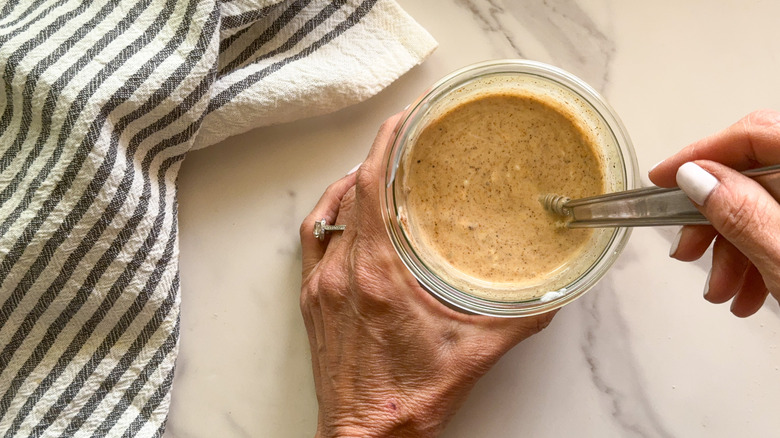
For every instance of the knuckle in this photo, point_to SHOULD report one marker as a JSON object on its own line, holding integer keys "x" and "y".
{"x": 388, "y": 128}
{"x": 331, "y": 285}
{"x": 373, "y": 277}
{"x": 310, "y": 292}
{"x": 761, "y": 124}
{"x": 744, "y": 220}
{"x": 365, "y": 178}
{"x": 348, "y": 200}
{"x": 763, "y": 118}
{"x": 325, "y": 285}
{"x": 364, "y": 277}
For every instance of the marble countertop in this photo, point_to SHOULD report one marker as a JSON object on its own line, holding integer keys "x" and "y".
{"x": 642, "y": 354}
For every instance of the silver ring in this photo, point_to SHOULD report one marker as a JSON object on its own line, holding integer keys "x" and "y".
{"x": 321, "y": 227}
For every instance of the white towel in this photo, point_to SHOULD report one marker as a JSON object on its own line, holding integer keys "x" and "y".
{"x": 99, "y": 103}
{"x": 294, "y": 77}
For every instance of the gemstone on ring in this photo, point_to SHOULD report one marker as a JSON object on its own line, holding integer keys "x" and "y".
{"x": 321, "y": 227}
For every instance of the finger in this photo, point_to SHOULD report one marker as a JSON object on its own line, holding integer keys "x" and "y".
{"x": 691, "y": 242}
{"x": 346, "y": 206}
{"x": 751, "y": 142}
{"x": 312, "y": 330}
{"x": 741, "y": 210}
{"x": 371, "y": 174}
{"x": 327, "y": 208}
{"x": 751, "y": 295}
{"x": 311, "y": 310}
{"x": 318, "y": 349}
{"x": 534, "y": 325}
{"x": 346, "y": 217}
{"x": 505, "y": 333}
{"x": 728, "y": 271}
{"x": 345, "y": 213}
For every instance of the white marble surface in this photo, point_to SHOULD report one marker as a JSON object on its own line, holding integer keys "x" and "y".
{"x": 642, "y": 354}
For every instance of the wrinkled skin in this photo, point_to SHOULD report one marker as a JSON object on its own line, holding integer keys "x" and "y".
{"x": 745, "y": 218}
{"x": 388, "y": 358}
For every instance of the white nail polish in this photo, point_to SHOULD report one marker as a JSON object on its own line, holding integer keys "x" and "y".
{"x": 707, "y": 284}
{"x": 354, "y": 169}
{"x": 696, "y": 182}
{"x": 675, "y": 243}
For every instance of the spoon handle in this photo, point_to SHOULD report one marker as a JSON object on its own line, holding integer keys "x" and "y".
{"x": 651, "y": 206}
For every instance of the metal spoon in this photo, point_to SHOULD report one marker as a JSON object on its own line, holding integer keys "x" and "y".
{"x": 645, "y": 207}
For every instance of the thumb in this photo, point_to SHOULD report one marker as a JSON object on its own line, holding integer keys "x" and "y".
{"x": 740, "y": 210}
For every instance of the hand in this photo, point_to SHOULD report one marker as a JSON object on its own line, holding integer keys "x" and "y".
{"x": 388, "y": 358}
{"x": 745, "y": 218}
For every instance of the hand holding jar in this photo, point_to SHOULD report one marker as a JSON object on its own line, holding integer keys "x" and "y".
{"x": 388, "y": 358}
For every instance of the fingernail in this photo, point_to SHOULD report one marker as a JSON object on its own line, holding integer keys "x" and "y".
{"x": 354, "y": 169}
{"x": 696, "y": 182}
{"x": 707, "y": 284}
{"x": 675, "y": 243}
{"x": 655, "y": 165}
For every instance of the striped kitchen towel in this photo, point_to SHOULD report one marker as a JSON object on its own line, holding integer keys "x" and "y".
{"x": 100, "y": 101}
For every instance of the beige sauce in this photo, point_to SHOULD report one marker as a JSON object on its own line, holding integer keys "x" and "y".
{"x": 474, "y": 178}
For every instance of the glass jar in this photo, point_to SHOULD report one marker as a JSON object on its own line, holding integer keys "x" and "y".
{"x": 482, "y": 296}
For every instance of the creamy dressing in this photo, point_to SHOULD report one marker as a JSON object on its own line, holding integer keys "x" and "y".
{"x": 473, "y": 180}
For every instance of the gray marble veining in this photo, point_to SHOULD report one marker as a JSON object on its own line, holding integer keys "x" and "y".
{"x": 560, "y": 30}
{"x": 640, "y": 355}
{"x": 613, "y": 367}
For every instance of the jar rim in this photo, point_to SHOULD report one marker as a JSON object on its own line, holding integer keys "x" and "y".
{"x": 432, "y": 282}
